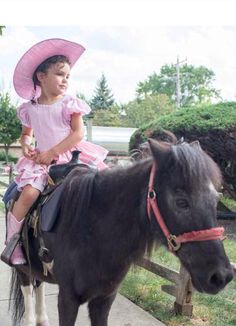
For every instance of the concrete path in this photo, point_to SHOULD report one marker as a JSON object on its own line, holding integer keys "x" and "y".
{"x": 123, "y": 312}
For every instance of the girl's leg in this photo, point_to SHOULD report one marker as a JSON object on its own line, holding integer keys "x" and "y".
{"x": 27, "y": 197}
{"x": 16, "y": 217}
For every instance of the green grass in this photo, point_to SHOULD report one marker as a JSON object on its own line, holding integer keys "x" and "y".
{"x": 144, "y": 288}
{"x": 228, "y": 202}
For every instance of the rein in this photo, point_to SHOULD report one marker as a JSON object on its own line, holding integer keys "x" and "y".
{"x": 174, "y": 242}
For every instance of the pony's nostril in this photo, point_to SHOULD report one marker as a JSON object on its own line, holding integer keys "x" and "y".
{"x": 220, "y": 279}
{"x": 217, "y": 280}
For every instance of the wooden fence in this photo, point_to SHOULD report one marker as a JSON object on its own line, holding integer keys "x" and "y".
{"x": 181, "y": 289}
{"x": 7, "y": 173}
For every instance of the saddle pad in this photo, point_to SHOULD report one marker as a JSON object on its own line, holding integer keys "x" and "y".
{"x": 50, "y": 209}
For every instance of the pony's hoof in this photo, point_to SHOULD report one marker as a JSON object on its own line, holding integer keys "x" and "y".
{"x": 44, "y": 323}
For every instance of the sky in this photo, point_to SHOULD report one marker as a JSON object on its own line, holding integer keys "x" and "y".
{"x": 127, "y": 41}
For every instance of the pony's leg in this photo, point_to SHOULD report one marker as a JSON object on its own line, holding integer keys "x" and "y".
{"x": 40, "y": 306}
{"x": 68, "y": 306}
{"x": 29, "y": 315}
{"x": 99, "y": 309}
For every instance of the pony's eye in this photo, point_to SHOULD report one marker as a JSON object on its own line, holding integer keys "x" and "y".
{"x": 182, "y": 203}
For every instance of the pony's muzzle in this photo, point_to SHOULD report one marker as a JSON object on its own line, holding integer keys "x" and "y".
{"x": 218, "y": 279}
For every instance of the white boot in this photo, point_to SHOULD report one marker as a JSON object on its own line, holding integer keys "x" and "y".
{"x": 13, "y": 227}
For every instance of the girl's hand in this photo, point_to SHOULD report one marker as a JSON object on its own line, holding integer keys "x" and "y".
{"x": 45, "y": 157}
{"x": 28, "y": 151}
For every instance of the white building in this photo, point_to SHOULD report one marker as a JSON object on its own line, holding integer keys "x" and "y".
{"x": 114, "y": 139}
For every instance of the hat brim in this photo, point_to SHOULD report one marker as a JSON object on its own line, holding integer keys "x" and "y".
{"x": 22, "y": 77}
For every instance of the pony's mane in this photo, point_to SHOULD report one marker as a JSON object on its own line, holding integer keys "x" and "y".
{"x": 79, "y": 190}
{"x": 196, "y": 166}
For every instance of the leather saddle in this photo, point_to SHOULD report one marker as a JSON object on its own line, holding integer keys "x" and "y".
{"x": 49, "y": 201}
{"x": 58, "y": 172}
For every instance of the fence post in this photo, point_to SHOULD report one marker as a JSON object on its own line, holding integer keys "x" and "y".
{"x": 89, "y": 129}
{"x": 184, "y": 290}
{"x": 10, "y": 173}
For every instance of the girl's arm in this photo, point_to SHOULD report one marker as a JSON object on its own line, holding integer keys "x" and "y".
{"x": 25, "y": 141}
{"x": 77, "y": 134}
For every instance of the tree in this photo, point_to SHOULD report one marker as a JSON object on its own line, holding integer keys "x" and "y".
{"x": 103, "y": 98}
{"x": 10, "y": 126}
{"x": 195, "y": 87}
{"x": 140, "y": 112}
{"x": 1, "y": 29}
{"x": 108, "y": 118}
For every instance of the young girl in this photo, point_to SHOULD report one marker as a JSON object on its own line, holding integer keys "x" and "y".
{"x": 55, "y": 120}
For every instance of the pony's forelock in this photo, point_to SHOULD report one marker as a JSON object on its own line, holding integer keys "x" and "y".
{"x": 196, "y": 165}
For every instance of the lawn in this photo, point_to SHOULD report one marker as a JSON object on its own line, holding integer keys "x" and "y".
{"x": 144, "y": 288}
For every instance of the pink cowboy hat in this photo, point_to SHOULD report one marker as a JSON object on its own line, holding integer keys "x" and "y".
{"x": 22, "y": 78}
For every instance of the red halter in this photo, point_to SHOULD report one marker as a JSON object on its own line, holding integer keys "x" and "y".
{"x": 174, "y": 242}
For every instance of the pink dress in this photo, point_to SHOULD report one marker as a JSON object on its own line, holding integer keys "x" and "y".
{"x": 51, "y": 124}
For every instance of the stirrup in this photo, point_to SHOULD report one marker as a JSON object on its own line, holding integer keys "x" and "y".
{"x": 10, "y": 247}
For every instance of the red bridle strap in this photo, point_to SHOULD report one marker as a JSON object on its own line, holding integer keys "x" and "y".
{"x": 174, "y": 242}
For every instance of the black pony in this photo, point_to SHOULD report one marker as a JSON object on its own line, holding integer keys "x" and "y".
{"x": 104, "y": 227}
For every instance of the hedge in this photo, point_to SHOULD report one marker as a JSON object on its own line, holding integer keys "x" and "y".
{"x": 213, "y": 125}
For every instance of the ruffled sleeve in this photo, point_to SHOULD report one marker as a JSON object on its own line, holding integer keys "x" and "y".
{"x": 74, "y": 105}
{"x": 23, "y": 115}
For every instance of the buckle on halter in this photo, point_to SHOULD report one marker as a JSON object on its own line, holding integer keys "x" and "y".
{"x": 152, "y": 194}
{"x": 172, "y": 243}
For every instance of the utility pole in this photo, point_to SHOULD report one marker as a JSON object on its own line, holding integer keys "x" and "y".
{"x": 178, "y": 95}
{"x": 178, "y": 91}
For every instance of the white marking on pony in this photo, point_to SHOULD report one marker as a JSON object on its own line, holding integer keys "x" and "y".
{"x": 233, "y": 265}
{"x": 40, "y": 306}
{"x": 48, "y": 267}
{"x": 29, "y": 316}
{"x": 213, "y": 190}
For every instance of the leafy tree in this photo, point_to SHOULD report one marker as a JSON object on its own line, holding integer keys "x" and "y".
{"x": 10, "y": 126}
{"x": 140, "y": 112}
{"x": 195, "y": 84}
{"x": 1, "y": 29}
{"x": 108, "y": 118}
{"x": 103, "y": 98}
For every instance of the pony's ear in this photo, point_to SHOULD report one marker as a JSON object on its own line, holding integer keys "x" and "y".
{"x": 159, "y": 150}
{"x": 195, "y": 144}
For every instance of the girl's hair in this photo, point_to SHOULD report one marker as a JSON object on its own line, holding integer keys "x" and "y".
{"x": 44, "y": 66}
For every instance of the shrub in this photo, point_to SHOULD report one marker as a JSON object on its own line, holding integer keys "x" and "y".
{"x": 213, "y": 125}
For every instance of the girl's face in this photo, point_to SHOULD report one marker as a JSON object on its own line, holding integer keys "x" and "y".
{"x": 55, "y": 81}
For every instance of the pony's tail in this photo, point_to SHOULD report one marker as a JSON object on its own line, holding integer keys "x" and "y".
{"x": 16, "y": 303}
